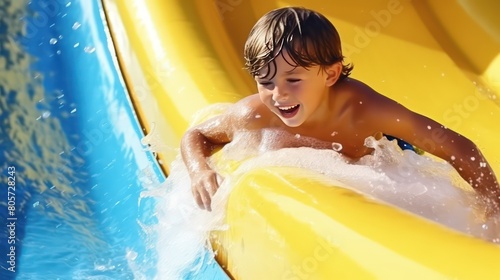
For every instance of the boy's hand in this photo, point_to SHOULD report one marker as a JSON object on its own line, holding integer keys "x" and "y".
{"x": 204, "y": 185}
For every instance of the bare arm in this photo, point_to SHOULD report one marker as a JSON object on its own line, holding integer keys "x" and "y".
{"x": 444, "y": 143}
{"x": 199, "y": 142}
{"x": 387, "y": 116}
{"x": 462, "y": 154}
{"x": 197, "y": 145}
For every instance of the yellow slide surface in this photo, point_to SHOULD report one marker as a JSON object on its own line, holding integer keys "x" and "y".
{"x": 439, "y": 58}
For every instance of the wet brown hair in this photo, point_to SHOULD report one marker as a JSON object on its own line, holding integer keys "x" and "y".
{"x": 308, "y": 37}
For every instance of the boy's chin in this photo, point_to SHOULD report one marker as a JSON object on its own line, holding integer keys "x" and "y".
{"x": 291, "y": 122}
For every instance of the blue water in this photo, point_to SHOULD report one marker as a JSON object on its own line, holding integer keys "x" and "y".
{"x": 69, "y": 132}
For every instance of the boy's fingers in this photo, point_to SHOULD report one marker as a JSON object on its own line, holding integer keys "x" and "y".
{"x": 205, "y": 197}
{"x": 219, "y": 179}
{"x": 198, "y": 199}
{"x": 213, "y": 186}
{"x": 204, "y": 191}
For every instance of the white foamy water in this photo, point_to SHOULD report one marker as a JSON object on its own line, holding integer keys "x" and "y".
{"x": 419, "y": 184}
{"x": 183, "y": 228}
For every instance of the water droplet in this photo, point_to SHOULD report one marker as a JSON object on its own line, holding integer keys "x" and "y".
{"x": 452, "y": 157}
{"x": 472, "y": 158}
{"x": 131, "y": 255}
{"x": 334, "y": 133}
{"x": 36, "y": 204}
{"x": 68, "y": 4}
{"x": 76, "y": 25}
{"x": 360, "y": 102}
{"x": 89, "y": 49}
{"x": 46, "y": 114}
{"x": 257, "y": 116}
{"x": 484, "y": 226}
{"x": 337, "y": 147}
{"x": 58, "y": 52}
{"x": 76, "y": 45}
{"x": 297, "y": 136}
{"x": 429, "y": 127}
{"x": 482, "y": 164}
{"x": 397, "y": 120}
{"x": 73, "y": 111}
{"x": 53, "y": 41}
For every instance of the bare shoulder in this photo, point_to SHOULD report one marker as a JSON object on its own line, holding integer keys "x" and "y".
{"x": 247, "y": 113}
{"x": 357, "y": 89}
{"x": 247, "y": 107}
{"x": 372, "y": 112}
{"x": 250, "y": 113}
{"x": 366, "y": 100}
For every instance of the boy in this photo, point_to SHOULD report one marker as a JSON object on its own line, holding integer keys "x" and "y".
{"x": 295, "y": 57}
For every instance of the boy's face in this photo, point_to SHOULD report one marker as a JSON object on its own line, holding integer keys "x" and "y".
{"x": 294, "y": 94}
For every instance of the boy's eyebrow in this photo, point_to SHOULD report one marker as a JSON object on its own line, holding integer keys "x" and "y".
{"x": 295, "y": 70}
{"x": 291, "y": 71}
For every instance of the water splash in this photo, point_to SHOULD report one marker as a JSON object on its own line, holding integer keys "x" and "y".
{"x": 337, "y": 147}
{"x": 183, "y": 229}
{"x": 76, "y": 25}
{"x": 420, "y": 184}
{"x": 89, "y": 49}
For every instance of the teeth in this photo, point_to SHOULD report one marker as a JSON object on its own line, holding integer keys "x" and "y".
{"x": 288, "y": 108}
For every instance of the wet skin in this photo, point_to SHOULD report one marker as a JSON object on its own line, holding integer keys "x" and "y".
{"x": 315, "y": 103}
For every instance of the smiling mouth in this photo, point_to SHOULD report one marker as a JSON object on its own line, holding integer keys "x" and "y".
{"x": 289, "y": 111}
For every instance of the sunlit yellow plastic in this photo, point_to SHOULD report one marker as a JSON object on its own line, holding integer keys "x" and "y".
{"x": 439, "y": 58}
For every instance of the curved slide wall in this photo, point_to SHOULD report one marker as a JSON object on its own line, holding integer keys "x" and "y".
{"x": 180, "y": 56}
{"x": 70, "y": 140}
{"x": 69, "y": 131}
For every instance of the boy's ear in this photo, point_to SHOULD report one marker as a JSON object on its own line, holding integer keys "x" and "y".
{"x": 333, "y": 73}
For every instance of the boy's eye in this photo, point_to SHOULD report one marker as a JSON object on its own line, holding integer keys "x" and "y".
{"x": 264, "y": 83}
{"x": 293, "y": 80}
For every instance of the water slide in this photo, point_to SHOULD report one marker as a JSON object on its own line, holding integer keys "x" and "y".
{"x": 439, "y": 59}
{"x": 73, "y": 116}
{"x": 72, "y": 163}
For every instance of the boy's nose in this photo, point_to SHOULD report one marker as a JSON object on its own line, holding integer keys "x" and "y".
{"x": 279, "y": 95}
